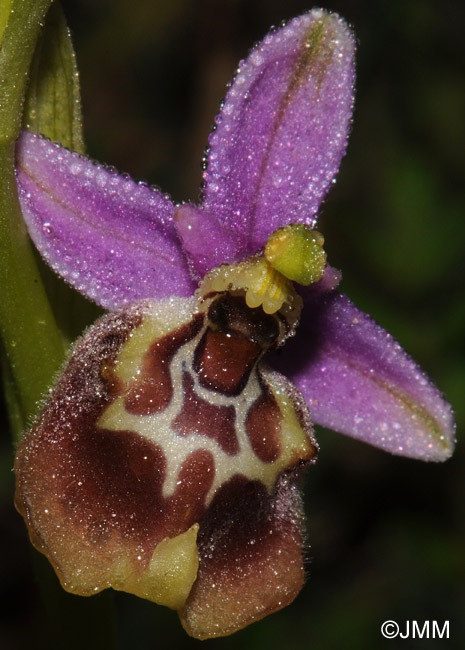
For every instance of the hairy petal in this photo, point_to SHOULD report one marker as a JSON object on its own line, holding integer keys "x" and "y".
{"x": 92, "y": 492}
{"x": 111, "y": 238}
{"x": 139, "y": 477}
{"x": 357, "y": 380}
{"x": 283, "y": 128}
{"x": 250, "y": 558}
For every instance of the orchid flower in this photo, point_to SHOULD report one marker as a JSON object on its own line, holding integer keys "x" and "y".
{"x": 166, "y": 459}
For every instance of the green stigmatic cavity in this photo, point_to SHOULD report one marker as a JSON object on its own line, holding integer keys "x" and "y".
{"x": 297, "y": 252}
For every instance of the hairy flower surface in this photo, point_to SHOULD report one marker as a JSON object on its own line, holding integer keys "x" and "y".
{"x": 165, "y": 461}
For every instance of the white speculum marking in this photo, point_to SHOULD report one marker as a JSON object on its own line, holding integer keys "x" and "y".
{"x": 158, "y": 428}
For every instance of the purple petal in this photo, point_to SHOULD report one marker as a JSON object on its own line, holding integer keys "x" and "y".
{"x": 357, "y": 380}
{"x": 283, "y": 128}
{"x": 110, "y": 237}
{"x": 205, "y": 240}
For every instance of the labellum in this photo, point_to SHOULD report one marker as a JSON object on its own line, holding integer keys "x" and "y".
{"x": 168, "y": 453}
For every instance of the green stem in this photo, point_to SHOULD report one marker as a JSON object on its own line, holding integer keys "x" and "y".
{"x": 32, "y": 342}
{"x": 31, "y": 339}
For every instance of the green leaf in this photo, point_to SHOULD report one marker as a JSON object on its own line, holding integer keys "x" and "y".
{"x": 53, "y": 103}
{"x": 5, "y": 11}
{"x": 21, "y": 22}
{"x": 31, "y": 340}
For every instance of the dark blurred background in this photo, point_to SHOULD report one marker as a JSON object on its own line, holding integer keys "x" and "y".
{"x": 387, "y": 534}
